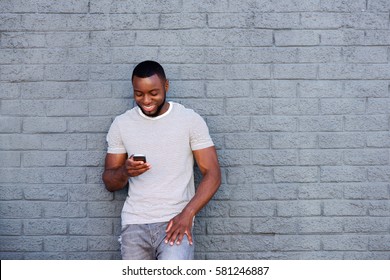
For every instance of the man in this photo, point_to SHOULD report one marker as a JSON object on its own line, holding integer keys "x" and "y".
{"x": 159, "y": 211}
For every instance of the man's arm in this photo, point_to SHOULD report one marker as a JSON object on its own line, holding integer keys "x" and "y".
{"x": 181, "y": 224}
{"x": 118, "y": 168}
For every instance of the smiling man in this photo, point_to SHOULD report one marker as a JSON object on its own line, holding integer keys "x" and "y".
{"x": 159, "y": 211}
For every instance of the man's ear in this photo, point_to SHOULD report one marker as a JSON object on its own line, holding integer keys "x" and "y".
{"x": 166, "y": 85}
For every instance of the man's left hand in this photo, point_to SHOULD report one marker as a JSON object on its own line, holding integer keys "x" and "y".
{"x": 177, "y": 227}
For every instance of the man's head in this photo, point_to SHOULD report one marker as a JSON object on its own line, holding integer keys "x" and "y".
{"x": 150, "y": 87}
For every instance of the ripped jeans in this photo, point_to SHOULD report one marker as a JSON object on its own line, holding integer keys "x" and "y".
{"x": 147, "y": 242}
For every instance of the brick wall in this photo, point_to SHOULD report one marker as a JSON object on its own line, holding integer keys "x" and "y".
{"x": 295, "y": 93}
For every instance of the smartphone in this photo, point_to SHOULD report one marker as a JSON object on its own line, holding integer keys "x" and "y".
{"x": 139, "y": 157}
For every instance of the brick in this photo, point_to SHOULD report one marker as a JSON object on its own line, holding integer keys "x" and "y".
{"x": 89, "y": 192}
{"x": 294, "y": 140}
{"x": 377, "y": 37}
{"x": 274, "y": 225}
{"x": 342, "y": 37}
{"x": 109, "y": 209}
{"x": 228, "y": 226}
{"x": 330, "y": 106}
{"x": 378, "y": 106}
{"x": 42, "y": 125}
{"x": 184, "y": 21}
{"x": 369, "y": 123}
{"x": 249, "y": 71}
{"x": 343, "y": 6}
{"x": 243, "y": 106}
{"x": 345, "y": 208}
{"x": 252, "y": 209}
{"x": 10, "y": 227}
{"x": 277, "y": 20}
{"x": 247, "y": 141}
{"x": 299, "y": 208}
{"x": 319, "y": 54}
{"x": 10, "y": 159}
{"x": 370, "y": 225}
{"x": 42, "y": 159}
{"x": 295, "y": 174}
{"x": 378, "y": 140}
{"x": 296, "y": 243}
{"x": 320, "y": 157}
{"x": 345, "y": 243}
{"x": 379, "y": 208}
{"x": 64, "y": 175}
{"x": 19, "y": 175}
{"x": 103, "y": 243}
{"x": 66, "y": 73}
{"x": 366, "y": 89}
{"x": 342, "y": 140}
{"x": 284, "y": 106}
{"x": 320, "y": 191}
{"x": 234, "y": 158}
{"x": 368, "y": 157}
{"x": 365, "y": 54}
{"x": 64, "y": 210}
{"x": 354, "y": 71}
{"x": 270, "y": 6}
{"x": 12, "y": 191}
{"x": 87, "y": 158}
{"x": 90, "y": 124}
{"x": 295, "y": 71}
{"x": 20, "y": 209}
{"x": 45, "y": 192}
{"x": 90, "y": 227}
{"x": 213, "y": 243}
{"x": 319, "y": 225}
{"x": 273, "y": 192}
{"x": 45, "y": 227}
{"x": 134, "y": 21}
{"x": 319, "y": 89}
{"x": 21, "y": 73}
{"x": 274, "y": 157}
{"x": 343, "y": 174}
{"x": 228, "y": 89}
{"x": 22, "y": 40}
{"x": 296, "y": 38}
{"x": 273, "y": 123}
{"x": 250, "y": 174}
{"x": 104, "y": 107}
{"x": 228, "y": 124}
{"x": 65, "y": 244}
{"x": 379, "y": 243}
{"x": 366, "y": 191}
{"x": 64, "y": 142}
{"x": 9, "y": 91}
{"x": 379, "y": 174}
{"x": 20, "y": 244}
{"x": 251, "y": 243}
{"x": 321, "y": 123}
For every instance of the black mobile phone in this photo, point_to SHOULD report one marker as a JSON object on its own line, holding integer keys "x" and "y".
{"x": 139, "y": 157}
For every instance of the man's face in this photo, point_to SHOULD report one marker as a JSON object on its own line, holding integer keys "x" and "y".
{"x": 150, "y": 93}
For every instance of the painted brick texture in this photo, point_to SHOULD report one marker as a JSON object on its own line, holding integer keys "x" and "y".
{"x": 296, "y": 95}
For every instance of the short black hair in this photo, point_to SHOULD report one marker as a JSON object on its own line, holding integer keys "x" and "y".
{"x": 148, "y": 68}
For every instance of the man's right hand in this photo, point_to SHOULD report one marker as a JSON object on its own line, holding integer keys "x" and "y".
{"x": 118, "y": 168}
{"x": 135, "y": 168}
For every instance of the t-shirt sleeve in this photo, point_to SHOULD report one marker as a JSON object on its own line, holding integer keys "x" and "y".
{"x": 114, "y": 139}
{"x": 199, "y": 134}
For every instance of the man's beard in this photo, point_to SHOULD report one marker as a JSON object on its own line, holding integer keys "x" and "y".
{"x": 159, "y": 108}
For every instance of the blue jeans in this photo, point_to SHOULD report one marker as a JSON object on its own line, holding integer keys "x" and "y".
{"x": 147, "y": 242}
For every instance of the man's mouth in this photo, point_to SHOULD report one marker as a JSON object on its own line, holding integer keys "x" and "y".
{"x": 149, "y": 108}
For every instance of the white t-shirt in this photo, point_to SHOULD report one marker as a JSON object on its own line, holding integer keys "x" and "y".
{"x": 167, "y": 141}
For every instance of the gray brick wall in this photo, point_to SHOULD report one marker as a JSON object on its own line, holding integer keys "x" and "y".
{"x": 296, "y": 95}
